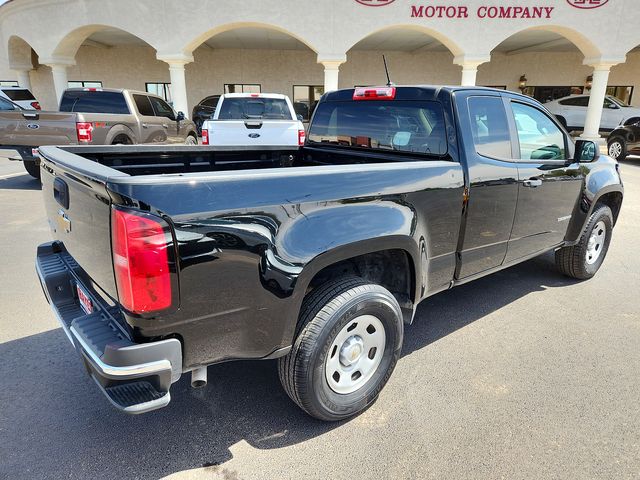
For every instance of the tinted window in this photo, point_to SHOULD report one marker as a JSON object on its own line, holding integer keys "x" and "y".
{"x": 19, "y": 95}
{"x": 540, "y": 138}
{"x": 93, "y": 102}
{"x": 162, "y": 108}
{"x": 489, "y": 127}
{"x": 402, "y": 126}
{"x": 576, "y": 102}
{"x": 7, "y": 105}
{"x": 210, "y": 102}
{"x": 254, "y": 108}
{"x": 143, "y": 105}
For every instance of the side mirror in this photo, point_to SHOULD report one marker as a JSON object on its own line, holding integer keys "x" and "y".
{"x": 300, "y": 117}
{"x": 586, "y": 151}
{"x": 180, "y": 117}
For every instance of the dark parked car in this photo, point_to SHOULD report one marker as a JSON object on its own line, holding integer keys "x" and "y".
{"x": 204, "y": 110}
{"x": 168, "y": 259}
{"x": 623, "y": 141}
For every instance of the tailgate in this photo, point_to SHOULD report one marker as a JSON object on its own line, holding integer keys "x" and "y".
{"x": 35, "y": 128}
{"x": 78, "y": 209}
{"x": 253, "y": 132}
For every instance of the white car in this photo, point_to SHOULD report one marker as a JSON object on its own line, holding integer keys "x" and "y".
{"x": 248, "y": 119}
{"x": 20, "y": 96}
{"x": 571, "y": 111}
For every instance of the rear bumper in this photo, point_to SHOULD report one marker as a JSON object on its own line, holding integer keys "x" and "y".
{"x": 135, "y": 377}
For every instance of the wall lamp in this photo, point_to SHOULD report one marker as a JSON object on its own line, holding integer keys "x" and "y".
{"x": 522, "y": 84}
{"x": 589, "y": 83}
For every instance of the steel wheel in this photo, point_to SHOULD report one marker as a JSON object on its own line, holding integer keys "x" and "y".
{"x": 615, "y": 149}
{"x": 355, "y": 354}
{"x": 596, "y": 242}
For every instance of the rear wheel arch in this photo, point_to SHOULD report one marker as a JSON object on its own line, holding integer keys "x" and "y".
{"x": 121, "y": 133}
{"x": 391, "y": 264}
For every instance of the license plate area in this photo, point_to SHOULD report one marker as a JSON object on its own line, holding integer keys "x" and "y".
{"x": 83, "y": 298}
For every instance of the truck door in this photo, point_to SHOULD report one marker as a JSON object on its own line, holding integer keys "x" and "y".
{"x": 493, "y": 182}
{"x": 151, "y": 129}
{"x": 167, "y": 120}
{"x": 549, "y": 183}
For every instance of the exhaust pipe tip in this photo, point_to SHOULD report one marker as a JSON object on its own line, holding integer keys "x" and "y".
{"x": 199, "y": 377}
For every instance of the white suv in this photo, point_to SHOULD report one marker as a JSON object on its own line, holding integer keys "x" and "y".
{"x": 20, "y": 96}
{"x": 571, "y": 111}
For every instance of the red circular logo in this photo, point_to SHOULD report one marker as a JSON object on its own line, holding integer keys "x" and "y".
{"x": 587, "y": 3}
{"x": 375, "y": 3}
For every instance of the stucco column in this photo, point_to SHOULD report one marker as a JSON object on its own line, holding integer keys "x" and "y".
{"x": 331, "y": 65}
{"x": 470, "y": 64}
{"x": 596, "y": 101}
{"x": 59, "y": 67}
{"x": 60, "y": 80}
{"x": 23, "y": 78}
{"x": 178, "y": 81}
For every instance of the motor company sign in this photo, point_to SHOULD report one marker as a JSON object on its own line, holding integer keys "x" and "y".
{"x": 511, "y": 11}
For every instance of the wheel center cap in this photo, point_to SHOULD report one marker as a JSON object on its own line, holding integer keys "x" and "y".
{"x": 351, "y": 350}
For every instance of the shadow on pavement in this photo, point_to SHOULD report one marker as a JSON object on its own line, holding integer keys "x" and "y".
{"x": 54, "y": 423}
{"x": 20, "y": 182}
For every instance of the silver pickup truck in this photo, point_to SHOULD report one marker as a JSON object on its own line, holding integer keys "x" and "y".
{"x": 93, "y": 116}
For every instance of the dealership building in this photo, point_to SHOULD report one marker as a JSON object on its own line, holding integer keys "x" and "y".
{"x": 187, "y": 50}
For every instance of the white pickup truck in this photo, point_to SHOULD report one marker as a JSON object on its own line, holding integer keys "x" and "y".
{"x": 248, "y": 119}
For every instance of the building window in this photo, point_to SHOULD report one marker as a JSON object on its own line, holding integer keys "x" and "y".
{"x": 548, "y": 93}
{"x": 241, "y": 88}
{"x": 83, "y": 84}
{"x": 305, "y": 99}
{"x": 498, "y": 87}
{"x": 162, "y": 90}
{"x": 623, "y": 93}
{"x": 8, "y": 83}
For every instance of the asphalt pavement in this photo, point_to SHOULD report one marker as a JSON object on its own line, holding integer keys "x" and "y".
{"x": 524, "y": 374}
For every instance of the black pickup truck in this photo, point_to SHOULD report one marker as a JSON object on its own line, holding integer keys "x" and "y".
{"x": 169, "y": 259}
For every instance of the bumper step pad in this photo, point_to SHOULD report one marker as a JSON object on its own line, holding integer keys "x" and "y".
{"x": 132, "y": 397}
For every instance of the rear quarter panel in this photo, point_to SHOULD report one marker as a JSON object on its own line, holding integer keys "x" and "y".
{"x": 249, "y": 243}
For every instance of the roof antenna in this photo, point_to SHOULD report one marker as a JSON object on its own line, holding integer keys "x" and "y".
{"x": 389, "y": 82}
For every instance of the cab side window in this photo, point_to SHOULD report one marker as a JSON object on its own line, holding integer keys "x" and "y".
{"x": 489, "y": 127}
{"x": 162, "y": 108}
{"x": 540, "y": 138}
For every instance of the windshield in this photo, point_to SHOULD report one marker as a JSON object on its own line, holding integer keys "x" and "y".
{"x": 254, "y": 108}
{"x": 401, "y": 126}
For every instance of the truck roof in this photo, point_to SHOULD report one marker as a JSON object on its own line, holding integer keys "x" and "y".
{"x": 254, "y": 95}
{"x": 413, "y": 92}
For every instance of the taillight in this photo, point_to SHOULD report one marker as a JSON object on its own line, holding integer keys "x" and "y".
{"x": 84, "y": 130}
{"x": 301, "y": 137}
{"x": 36, "y": 105}
{"x": 374, "y": 93}
{"x": 205, "y": 137}
{"x": 140, "y": 262}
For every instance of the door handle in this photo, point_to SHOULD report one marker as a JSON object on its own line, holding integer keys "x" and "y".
{"x": 145, "y": 125}
{"x": 532, "y": 182}
{"x": 164, "y": 125}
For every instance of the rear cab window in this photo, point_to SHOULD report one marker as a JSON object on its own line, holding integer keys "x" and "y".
{"x": 402, "y": 126}
{"x": 254, "y": 108}
{"x": 19, "y": 95}
{"x": 489, "y": 127}
{"x": 94, "y": 102}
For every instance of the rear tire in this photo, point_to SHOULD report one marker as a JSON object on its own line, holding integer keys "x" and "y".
{"x": 191, "y": 140}
{"x": 584, "y": 259}
{"x": 348, "y": 341}
{"x": 32, "y": 168}
{"x": 617, "y": 148}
